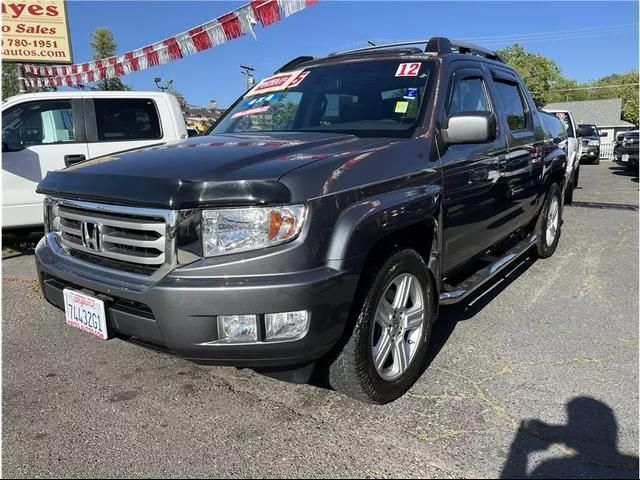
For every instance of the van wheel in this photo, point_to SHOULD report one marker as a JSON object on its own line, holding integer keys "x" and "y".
{"x": 549, "y": 223}
{"x": 386, "y": 351}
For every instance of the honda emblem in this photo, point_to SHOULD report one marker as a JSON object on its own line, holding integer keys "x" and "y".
{"x": 92, "y": 235}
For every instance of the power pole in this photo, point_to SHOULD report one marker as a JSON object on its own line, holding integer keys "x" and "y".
{"x": 250, "y": 81}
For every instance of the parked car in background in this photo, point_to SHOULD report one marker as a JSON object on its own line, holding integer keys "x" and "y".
{"x": 572, "y": 149}
{"x": 589, "y": 137}
{"x": 192, "y": 131}
{"x": 617, "y": 147}
{"x": 557, "y": 135}
{"x": 629, "y": 150}
{"x": 330, "y": 212}
{"x": 48, "y": 131}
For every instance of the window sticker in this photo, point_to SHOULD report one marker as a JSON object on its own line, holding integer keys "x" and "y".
{"x": 298, "y": 80}
{"x": 410, "y": 93}
{"x": 408, "y": 69}
{"x": 251, "y": 111}
{"x": 401, "y": 106}
{"x": 276, "y": 83}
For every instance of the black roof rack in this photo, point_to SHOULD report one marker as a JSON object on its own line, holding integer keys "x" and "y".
{"x": 435, "y": 46}
{"x": 294, "y": 63}
{"x": 442, "y": 46}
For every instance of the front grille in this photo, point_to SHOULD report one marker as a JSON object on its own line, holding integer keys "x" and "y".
{"x": 132, "y": 242}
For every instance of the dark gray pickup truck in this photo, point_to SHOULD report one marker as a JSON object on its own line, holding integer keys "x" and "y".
{"x": 320, "y": 224}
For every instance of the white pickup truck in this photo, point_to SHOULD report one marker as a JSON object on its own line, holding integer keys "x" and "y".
{"x": 51, "y": 130}
{"x": 573, "y": 150}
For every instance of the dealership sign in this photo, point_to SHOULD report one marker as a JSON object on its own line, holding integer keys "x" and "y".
{"x": 35, "y": 31}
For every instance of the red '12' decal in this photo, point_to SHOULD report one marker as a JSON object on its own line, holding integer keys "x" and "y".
{"x": 408, "y": 69}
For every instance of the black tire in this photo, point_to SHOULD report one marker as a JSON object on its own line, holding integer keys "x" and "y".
{"x": 353, "y": 372}
{"x": 597, "y": 161}
{"x": 568, "y": 194}
{"x": 543, "y": 247}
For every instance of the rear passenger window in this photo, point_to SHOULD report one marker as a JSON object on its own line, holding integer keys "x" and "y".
{"x": 512, "y": 104}
{"x": 127, "y": 119}
{"x": 468, "y": 95}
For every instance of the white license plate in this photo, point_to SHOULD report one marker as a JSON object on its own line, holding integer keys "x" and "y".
{"x": 85, "y": 313}
{"x": 625, "y": 157}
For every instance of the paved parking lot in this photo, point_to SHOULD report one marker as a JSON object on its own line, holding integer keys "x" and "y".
{"x": 536, "y": 376}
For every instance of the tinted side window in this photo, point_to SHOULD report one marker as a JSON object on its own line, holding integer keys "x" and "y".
{"x": 512, "y": 104}
{"x": 468, "y": 94}
{"x": 127, "y": 119}
{"x": 37, "y": 123}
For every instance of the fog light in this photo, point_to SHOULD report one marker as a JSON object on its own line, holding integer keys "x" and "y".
{"x": 237, "y": 328}
{"x": 286, "y": 325}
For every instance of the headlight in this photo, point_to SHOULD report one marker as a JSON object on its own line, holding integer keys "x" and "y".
{"x": 241, "y": 229}
{"x": 594, "y": 143}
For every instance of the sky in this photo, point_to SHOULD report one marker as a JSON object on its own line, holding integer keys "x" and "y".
{"x": 587, "y": 39}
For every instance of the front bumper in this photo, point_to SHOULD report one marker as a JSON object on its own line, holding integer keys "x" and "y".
{"x": 590, "y": 153}
{"x": 178, "y": 313}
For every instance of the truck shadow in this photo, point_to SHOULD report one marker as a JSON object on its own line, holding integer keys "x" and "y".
{"x": 451, "y": 315}
{"x": 623, "y": 171}
{"x": 19, "y": 242}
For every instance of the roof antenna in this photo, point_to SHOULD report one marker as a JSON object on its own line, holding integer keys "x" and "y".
{"x": 371, "y": 44}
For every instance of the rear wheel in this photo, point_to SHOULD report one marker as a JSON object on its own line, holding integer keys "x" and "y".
{"x": 385, "y": 353}
{"x": 549, "y": 224}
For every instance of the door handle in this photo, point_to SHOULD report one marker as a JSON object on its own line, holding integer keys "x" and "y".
{"x": 73, "y": 159}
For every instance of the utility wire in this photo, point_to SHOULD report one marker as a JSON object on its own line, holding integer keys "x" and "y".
{"x": 590, "y": 88}
{"x": 555, "y": 32}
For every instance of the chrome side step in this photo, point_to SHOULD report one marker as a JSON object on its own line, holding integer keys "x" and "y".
{"x": 485, "y": 274}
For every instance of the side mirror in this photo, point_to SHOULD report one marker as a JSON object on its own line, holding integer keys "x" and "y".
{"x": 470, "y": 127}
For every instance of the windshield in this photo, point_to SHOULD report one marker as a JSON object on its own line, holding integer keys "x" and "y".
{"x": 379, "y": 98}
{"x": 588, "y": 131}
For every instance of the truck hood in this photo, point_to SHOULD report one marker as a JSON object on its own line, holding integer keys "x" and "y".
{"x": 241, "y": 169}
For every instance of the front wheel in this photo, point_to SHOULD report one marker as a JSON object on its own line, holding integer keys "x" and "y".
{"x": 385, "y": 353}
{"x": 549, "y": 223}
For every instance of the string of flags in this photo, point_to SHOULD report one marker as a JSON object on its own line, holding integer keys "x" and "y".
{"x": 227, "y": 27}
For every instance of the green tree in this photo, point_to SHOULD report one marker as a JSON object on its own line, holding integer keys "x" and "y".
{"x": 10, "y": 85}
{"x": 104, "y": 45}
{"x": 540, "y": 74}
{"x": 184, "y": 106}
{"x": 628, "y": 92}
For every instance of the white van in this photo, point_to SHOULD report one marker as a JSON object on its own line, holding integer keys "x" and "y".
{"x": 50, "y": 130}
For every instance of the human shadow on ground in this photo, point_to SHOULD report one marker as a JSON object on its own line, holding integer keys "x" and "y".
{"x": 589, "y": 439}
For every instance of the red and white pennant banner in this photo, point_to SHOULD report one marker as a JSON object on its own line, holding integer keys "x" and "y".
{"x": 208, "y": 35}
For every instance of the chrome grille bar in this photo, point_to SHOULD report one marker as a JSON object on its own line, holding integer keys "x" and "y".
{"x": 131, "y": 237}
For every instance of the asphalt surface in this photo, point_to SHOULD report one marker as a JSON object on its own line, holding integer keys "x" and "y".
{"x": 537, "y": 376}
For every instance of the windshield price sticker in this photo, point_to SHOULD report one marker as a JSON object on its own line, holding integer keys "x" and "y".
{"x": 408, "y": 69}
{"x": 298, "y": 80}
{"x": 279, "y": 82}
{"x": 251, "y": 111}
